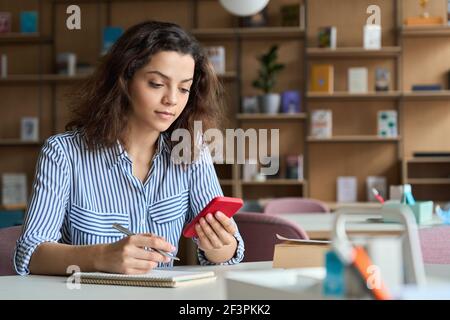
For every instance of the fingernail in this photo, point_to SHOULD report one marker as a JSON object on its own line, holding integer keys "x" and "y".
{"x": 219, "y": 214}
{"x": 173, "y": 248}
{"x": 209, "y": 217}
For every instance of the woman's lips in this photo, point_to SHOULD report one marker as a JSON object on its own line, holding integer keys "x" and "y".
{"x": 165, "y": 115}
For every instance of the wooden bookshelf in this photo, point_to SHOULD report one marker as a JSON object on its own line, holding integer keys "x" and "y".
{"x": 425, "y": 31}
{"x": 24, "y": 38}
{"x": 428, "y": 181}
{"x": 390, "y": 95}
{"x": 250, "y": 33}
{"x": 274, "y": 182}
{"x": 353, "y": 52}
{"x": 13, "y": 207}
{"x": 270, "y": 117}
{"x": 429, "y": 160}
{"x": 18, "y": 142}
{"x": 354, "y": 138}
{"x": 36, "y": 78}
{"x": 426, "y": 95}
{"x": 226, "y": 182}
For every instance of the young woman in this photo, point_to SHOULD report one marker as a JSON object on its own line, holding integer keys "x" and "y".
{"x": 115, "y": 166}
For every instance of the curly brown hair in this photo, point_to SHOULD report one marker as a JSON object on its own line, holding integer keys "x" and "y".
{"x": 100, "y": 108}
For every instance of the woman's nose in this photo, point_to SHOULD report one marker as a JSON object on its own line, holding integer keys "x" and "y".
{"x": 170, "y": 98}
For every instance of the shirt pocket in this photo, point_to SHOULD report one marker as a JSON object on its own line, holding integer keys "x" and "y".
{"x": 170, "y": 208}
{"x": 97, "y": 223}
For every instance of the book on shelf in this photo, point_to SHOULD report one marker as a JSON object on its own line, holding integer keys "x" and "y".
{"x": 291, "y": 101}
{"x": 327, "y": 37}
{"x": 382, "y": 79}
{"x": 448, "y": 12}
{"x": 250, "y": 104}
{"x": 110, "y": 36}
{"x": 358, "y": 80}
{"x": 5, "y": 22}
{"x": 321, "y": 123}
{"x": 66, "y": 63}
{"x": 3, "y": 66}
{"x": 216, "y": 55}
{"x": 29, "y": 129}
{"x": 426, "y": 87}
{"x": 293, "y": 15}
{"x": 387, "y": 124}
{"x": 322, "y": 78}
{"x": 154, "y": 278}
{"x": 347, "y": 189}
{"x": 378, "y": 183}
{"x": 294, "y": 167}
{"x": 14, "y": 189}
{"x": 372, "y": 37}
{"x": 29, "y": 21}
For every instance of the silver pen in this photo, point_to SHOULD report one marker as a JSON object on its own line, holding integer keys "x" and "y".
{"x": 129, "y": 233}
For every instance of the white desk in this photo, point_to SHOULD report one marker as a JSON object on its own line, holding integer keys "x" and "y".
{"x": 45, "y": 287}
{"x": 319, "y": 225}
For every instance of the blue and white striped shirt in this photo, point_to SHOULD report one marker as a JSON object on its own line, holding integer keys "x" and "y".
{"x": 79, "y": 193}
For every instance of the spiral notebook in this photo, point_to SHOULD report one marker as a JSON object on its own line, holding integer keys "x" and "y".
{"x": 155, "y": 278}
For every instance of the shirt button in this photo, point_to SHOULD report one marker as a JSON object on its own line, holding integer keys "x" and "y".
{"x": 143, "y": 222}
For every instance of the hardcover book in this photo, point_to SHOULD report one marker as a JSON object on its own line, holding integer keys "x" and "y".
{"x": 5, "y": 22}
{"x": 327, "y": 37}
{"x": 426, "y": 87}
{"x": 322, "y": 78}
{"x": 347, "y": 189}
{"x": 321, "y": 123}
{"x": 216, "y": 56}
{"x": 29, "y": 22}
{"x": 372, "y": 37}
{"x": 387, "y": 123}
{"x": 290, "y": 102}
{"x": 110, "y": 35}
{"x": 382, "y": 79}
{"x": 14, "y": 189}
{"x": 357, "y": 80}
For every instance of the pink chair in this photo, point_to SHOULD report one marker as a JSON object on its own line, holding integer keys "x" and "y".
{"x": 259, "y": 233}
{"x": 8, "y": 238}
{"x": 435, "y": 243}
{"x": 295, "y": 205}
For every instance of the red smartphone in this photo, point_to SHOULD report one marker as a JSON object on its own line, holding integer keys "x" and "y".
{"x": 229, "y": 206}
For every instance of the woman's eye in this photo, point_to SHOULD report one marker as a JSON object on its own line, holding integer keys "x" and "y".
{"x": 155, "y": 85}
{"x": 183, "y": 90}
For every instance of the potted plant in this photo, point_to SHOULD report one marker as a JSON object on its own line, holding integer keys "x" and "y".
{"x": 269, "y": 101}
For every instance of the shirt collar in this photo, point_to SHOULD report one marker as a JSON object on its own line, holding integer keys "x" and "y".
{"x": 117, "y": 153}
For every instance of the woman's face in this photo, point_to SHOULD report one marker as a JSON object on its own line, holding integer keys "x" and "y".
{"x": 160, "y": 90}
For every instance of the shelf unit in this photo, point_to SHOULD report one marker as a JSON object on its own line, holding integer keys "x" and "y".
{"x": 354, "y": 150}
{"x": 428, "y": 174}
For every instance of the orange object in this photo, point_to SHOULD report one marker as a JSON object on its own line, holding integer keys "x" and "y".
{"x": 362, "y": 263}
{"x": 322, "y": 78}
{"x": 422, "y": 21}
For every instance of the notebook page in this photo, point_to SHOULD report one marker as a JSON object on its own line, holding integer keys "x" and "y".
{"x": 156, "y": 275}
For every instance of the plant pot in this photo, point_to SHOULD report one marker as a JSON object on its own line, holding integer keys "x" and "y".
{"x": 270, "y": 103}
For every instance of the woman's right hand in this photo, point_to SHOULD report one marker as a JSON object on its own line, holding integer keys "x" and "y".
{"x": 129, "y": 255}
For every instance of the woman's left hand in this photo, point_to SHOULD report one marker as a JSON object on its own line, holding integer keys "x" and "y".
{"x": 216, "y": 237}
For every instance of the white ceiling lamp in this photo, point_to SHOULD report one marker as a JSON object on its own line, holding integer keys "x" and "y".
{"x": 244, "y": 7}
